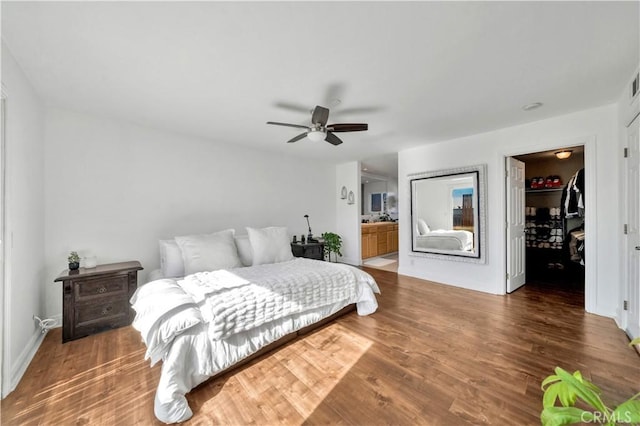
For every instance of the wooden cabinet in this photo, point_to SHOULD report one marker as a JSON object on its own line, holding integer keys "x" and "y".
{"x": 392, "y": 239}
{"x": 97, "y": 299}
{"x": 379, "y": 239}
{"x": 369, "y": 243}
{"x": 308, "y": 250}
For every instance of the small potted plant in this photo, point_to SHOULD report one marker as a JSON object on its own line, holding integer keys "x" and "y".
{"x": 332, "y": 244}
{"x": 74, "y": 261}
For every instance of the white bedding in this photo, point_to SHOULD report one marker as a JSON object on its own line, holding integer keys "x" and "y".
{"x": 302, "y": 288}
{"x": 446, "y": 240}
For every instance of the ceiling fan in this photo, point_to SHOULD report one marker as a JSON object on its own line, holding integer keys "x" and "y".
{"x": 319, "y": 130}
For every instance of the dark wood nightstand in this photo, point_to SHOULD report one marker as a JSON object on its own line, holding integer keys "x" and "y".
{"x": 308, "y": 250}
{"x": 97, "y": 299}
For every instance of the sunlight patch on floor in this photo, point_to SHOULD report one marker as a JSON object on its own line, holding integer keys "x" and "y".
{"x": 310, "y": 368}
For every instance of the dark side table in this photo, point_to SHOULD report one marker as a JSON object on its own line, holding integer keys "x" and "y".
{"x": 308, "y": 250}
{"x": 97, "y": 299}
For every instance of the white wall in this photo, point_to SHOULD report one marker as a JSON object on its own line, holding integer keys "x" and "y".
{"x": 24, "y": 227}
{"x": 348, "y": 215}
{"x": 597, "y": 125}
{"x": 114, "y": 189}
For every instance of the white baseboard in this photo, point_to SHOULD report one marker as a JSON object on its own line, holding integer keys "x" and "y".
{"x": 58, "y": 319}
{"x": 26, "y": 356}
{"x": 350, "y": 261}
{"x": 23, "y": 361}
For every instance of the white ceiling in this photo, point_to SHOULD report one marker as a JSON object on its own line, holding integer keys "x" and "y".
{"x": 428, "y": 71}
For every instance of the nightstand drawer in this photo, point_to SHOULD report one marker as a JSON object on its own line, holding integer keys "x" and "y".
{"x": 109, "y": 311}
{"x": 91, "y": 288}
{"x": 314, "y": 252}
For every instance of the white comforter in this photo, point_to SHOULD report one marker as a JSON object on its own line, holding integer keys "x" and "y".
{"x": 240, "y": 311}
{"x": 446, "y": 240}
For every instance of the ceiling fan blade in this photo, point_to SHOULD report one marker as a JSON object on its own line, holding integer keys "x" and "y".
{"x": 297, "y": 138}
{"x": 357, "y": 110}
{"x": 293, "y": 107}
{"x": 288, "y": 125}
{"x": 320, "y": 115}
{"x": 348, "y": 127}
{"x": 333, "y": 139}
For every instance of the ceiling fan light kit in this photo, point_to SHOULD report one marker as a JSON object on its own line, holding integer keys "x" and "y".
{"x": 319, "y": 130}
{"x": 316, "y": 135}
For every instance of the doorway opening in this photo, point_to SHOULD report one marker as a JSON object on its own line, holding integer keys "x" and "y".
{"x": 550, "y": 243}
{"x": 379, "y": 225}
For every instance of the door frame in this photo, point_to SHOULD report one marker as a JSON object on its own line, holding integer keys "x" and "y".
{"x": 590, "y": 221}
{"x": 4, "y": 308}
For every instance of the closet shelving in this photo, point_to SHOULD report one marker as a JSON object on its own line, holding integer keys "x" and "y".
{"x": 544, "y": 229}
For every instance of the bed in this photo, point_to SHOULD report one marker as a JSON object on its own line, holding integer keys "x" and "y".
{"x": 210, "y": 319}
{"x": 446, "y": 240}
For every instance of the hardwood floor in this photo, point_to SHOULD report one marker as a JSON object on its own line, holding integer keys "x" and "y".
{"x": 432, "y": 355}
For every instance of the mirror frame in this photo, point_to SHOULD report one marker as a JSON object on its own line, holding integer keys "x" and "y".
{"x": 480, "y": 171}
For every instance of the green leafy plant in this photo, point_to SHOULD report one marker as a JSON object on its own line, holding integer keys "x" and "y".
{"x": 73, "y": 257}
{"x": 571, "y": 388}
{"x": 332, "y": 244}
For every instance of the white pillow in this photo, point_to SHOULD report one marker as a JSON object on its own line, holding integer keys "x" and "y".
{"x": 270, "y": 245}
{"x": 423, "y": 228}
{"x": 209, "y": 252}
{"x": 244, "y": 249}
{"x": 171, "y": 261}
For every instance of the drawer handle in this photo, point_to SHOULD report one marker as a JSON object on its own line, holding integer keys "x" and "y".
{"x": 102, "y": 290}
{"x": 107, "y": 310}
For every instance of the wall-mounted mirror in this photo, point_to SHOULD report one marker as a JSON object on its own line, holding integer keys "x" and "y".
{"x": 448, "y": 214}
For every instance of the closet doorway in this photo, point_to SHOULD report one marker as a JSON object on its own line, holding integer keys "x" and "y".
{"x": 546, "y": 213}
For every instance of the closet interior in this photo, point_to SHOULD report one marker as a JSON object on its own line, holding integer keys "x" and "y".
{"x": 554, "y": 227}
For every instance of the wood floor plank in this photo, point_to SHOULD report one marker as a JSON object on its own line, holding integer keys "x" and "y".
{"x": 431, "y": 355}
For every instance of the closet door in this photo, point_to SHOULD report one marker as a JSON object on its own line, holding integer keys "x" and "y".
{"x": 633, "y": 229}
{"x": 515, "y": 225}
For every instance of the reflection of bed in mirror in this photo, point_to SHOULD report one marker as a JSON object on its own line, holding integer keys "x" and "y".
{"x": 448, "y": 214}
{"x": 442, "y": 239}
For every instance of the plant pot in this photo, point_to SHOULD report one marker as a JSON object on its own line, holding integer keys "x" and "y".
{"x": 74, "y": 265}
